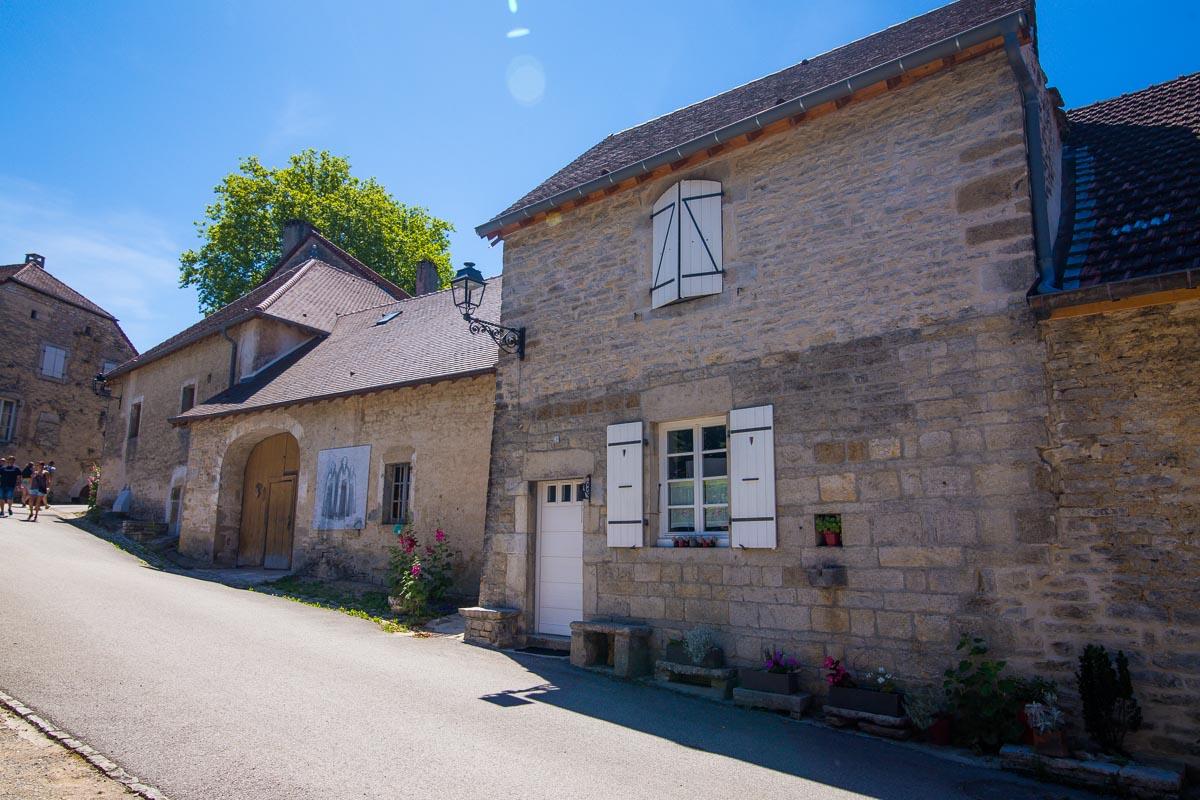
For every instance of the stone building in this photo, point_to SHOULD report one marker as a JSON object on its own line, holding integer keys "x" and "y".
{"x": 805, "y": 305}
{"x": 54, "y": 342}
{"x": 297, "y": 426}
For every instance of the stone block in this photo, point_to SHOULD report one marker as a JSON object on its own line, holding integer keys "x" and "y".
{"x": 920, "y": 556}
{"x": 883, "y": 449}
{"x": 841, "y": 487}
{"x": 794, "y": 704}
{"x": 936, "y": 444}
{"x": 830, "y": 620}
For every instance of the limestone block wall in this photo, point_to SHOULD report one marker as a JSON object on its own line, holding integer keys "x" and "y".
{"x": 442, "y": 429}
{"x": 59, "y": 420}
{"x": 1124, "y": 566}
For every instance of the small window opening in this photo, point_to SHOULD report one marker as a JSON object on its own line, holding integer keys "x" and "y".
{"x": 386, "y": 318}
{"x": 829, "y": 529}
{"x": 552, "y": 493}
{"x": 135, "y": 420}
{"x": 33, "y": 314}
{"x": 187, "y": 398}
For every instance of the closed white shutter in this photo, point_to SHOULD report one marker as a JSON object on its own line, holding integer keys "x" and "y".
{"x": 752, "y": 477}
{"x": 700, "y": 238}
{"x": 625, "y": 485}
{"x": 664, "y": 275}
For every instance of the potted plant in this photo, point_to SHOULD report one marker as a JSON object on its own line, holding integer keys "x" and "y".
{"x": 927, "y": 711}
{"x": 777, "y": 674}
{"x": 829, "y": 528}
{"x": 878, "y": 695}
{"x": 1047, "y": 721}
{"x": 698, "y": 647}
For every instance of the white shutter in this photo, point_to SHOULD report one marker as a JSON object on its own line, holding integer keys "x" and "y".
{"x": 752, "y": 477}
{"x": 625, "y": 485}
{"x": 664, "y": 274}
{"x": 700, "y": 238}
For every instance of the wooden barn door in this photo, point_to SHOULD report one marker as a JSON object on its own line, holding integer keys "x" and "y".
{"x": 269, "y": 503}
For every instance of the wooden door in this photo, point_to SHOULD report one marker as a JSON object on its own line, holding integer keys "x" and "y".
{"x": 273, "y": 459}
{"x": 559, "y": 557}
{"x": 281, "y": 505}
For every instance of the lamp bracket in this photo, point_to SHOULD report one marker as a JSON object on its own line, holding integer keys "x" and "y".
{"x": 510, "y": 340}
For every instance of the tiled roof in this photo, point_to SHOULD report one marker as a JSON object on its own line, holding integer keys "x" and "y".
{"x": 39, "y": 280}
{"x": 426, "y": 341}
{"x": 678, "y": 127}
{"x": 310, "y": 294}
{"x": 1136, "y": 160}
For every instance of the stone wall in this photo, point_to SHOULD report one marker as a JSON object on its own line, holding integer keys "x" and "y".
{"x": 1124, "y": 565}
{"x": 58, "y": 420}
{"x": 442, "y": 429}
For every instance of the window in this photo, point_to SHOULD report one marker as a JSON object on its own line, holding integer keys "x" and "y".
{"x": 695, "y": 481}
{"x": 686, "y": 240}
{"x": 187, "y": 397}
{"x": 8, "y": 419}
{"x": 108, "y": 366}
{"x": 175, "y": 506}
{"x": 573, "y": 492}
{"x": 397, "y": 491}
{"x": 54, "y": 361}
{"x": 135, "y": 420}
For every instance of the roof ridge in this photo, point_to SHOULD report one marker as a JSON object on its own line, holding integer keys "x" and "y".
{"x": 1135, "y": 92}
{"x": 300, "y": 270}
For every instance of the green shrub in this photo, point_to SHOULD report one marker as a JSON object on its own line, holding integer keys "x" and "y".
{"x": 1109, "y": 708}
{"x": 982, "y": 699}
{"x": 421, "y": 577}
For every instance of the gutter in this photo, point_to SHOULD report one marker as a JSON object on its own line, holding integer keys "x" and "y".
{"x": 1006, "y": 26}
{"x": 1035, "y": 158}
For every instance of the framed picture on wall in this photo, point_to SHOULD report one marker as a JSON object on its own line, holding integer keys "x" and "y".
{"x": 341, "y": 501}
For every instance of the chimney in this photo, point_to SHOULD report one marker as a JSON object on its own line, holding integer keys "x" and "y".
{"x": 294, "y": 232}
{"x": 428, "y": 279}
{"x": 34, "y": 260}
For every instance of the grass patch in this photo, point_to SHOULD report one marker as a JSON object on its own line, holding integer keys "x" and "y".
{"x": 368, "y": 604}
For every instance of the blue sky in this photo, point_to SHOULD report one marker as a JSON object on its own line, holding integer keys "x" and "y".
{"x": 120, "y": 117}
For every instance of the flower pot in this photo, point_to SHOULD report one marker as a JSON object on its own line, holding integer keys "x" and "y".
{"x": 760, "y": 680}
{"x": 832, "y": 538}
{"x": 676, "y": 653}
{"x": 1051, "y": 743}
{"x": 887, "y": 704}
{"x": 940, "y": 732}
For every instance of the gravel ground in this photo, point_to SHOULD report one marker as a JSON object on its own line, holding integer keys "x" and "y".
{"x": 33, "y": 767}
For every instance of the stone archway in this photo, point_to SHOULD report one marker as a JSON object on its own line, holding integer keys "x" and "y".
{"x": 257, "y": 464}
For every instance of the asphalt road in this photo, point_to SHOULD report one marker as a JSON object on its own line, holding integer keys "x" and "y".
{"x": 210, "y": 692}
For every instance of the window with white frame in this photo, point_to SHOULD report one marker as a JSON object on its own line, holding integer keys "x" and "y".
{"x": 695, "y": 482}
{"x": 8, "y": 419}
{"x": 397, "y": 492}
{"x": 54, "y": 361}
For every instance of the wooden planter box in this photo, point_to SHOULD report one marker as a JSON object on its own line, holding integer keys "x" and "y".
{"x": 759, "y": 680}
{"x": 677, "y": 653}
{"x": 887, "y": 704}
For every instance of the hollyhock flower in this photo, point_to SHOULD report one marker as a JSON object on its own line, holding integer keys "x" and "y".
{"x": 440, "y": 536}
{"x": 415, "y": 571}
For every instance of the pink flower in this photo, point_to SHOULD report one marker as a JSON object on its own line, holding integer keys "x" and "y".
{"x": 440, "y": 536}
{"x": 415, "y": 571}
{"x": 408, "y": 543}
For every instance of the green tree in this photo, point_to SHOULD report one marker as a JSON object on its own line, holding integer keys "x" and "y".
{"x": 241, "y": 228}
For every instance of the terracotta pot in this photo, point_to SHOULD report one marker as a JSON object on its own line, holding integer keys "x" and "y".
{"x": 1026, "y": 728}
{"x": 1051, "y": 743}
{"x": 941, "y": 732}
{"x": 832, "y": 538}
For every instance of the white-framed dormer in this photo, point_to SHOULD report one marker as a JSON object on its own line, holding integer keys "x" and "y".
{"x": 686, "y": 253}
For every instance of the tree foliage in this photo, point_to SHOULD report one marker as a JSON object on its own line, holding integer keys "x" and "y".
{"x": 241, "y": 228}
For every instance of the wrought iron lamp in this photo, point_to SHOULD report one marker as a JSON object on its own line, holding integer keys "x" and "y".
{"x": 467, "y": 288}
{"x": 100, "y": 385}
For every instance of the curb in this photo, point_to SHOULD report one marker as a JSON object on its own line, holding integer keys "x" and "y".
{"x": 89, "y": 754}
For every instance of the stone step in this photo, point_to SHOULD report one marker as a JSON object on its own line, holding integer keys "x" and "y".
{"x": 549, "y": 641}
{"x": 707, "y": 692}
{"x": 794, "y": 704}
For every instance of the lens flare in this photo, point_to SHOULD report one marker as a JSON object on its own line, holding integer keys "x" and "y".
{"x": 517, "y": 33}
{"x": 512, "y": 6}
{"x": 526, "y": 80}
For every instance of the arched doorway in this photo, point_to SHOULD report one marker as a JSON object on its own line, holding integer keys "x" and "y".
{"x": 269, "y": 503}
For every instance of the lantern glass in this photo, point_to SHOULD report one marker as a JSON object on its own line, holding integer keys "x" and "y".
{"x": 467, "y": 289}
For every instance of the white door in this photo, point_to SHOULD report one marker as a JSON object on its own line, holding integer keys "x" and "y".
{"x": 559, "y": 556}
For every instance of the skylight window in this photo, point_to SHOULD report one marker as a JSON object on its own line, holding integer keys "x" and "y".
{"x": 386, "y": 318}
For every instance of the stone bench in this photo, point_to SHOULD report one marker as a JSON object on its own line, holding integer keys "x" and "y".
{"x": 494, "y": 627}
{"x": 794, "y": 704}
{"x": 601, "y": 643}
{"x": 700, "y": 681}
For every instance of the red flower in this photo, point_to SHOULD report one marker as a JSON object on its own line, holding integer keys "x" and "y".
{"x": 440, "y": 536}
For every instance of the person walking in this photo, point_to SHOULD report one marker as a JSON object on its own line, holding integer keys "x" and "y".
{"x": 10, "y": 474}
{"x": 38, "y": 486}
{"x": 26, "y": 477}
{"x": 50, "y": 470}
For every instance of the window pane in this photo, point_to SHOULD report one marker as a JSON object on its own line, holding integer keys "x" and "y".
{"x": 716, "y": 490}
{"x": 551, "y": 493}
{"x": 680, "y": 441}
{"x": 680, "y": 467}
{"x": 682, "y": 520}
{"x": 714, "y": 437}
{"x": 716, "y": 518}
{"x": 681, "y": 494}
{"x": 566, "y": 493}
{"x": 715, "y": 465}
{"x": 579, "y": 492}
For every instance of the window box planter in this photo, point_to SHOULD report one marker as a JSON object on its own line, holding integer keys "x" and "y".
{"x": 759, "y": 680}
{"x": 887, "y": 704}
{"x": 676, "y": 653}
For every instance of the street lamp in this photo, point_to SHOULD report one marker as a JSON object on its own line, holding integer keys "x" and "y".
{"x": 100, "y": 385}
{"x": 467, "y": 289}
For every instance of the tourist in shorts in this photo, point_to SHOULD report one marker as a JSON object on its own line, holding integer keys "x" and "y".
{"x": 10, "y": 475}
{"x": 39, "y": 485}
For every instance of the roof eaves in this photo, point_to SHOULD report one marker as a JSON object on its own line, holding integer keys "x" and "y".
{"x": 1011, "y": 22}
